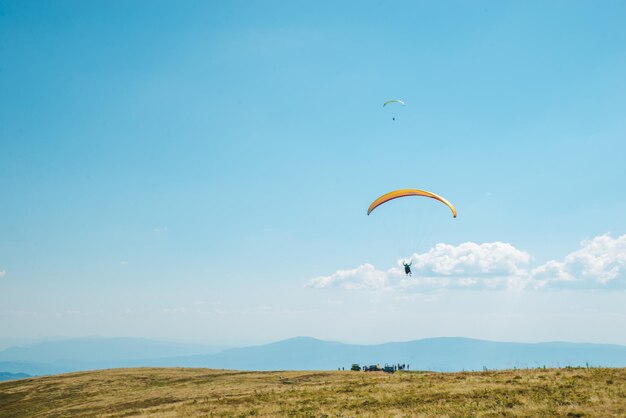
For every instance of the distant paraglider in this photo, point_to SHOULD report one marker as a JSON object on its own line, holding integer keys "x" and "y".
{"x": 388, "y": 102}
{"x": 393, "y": 101}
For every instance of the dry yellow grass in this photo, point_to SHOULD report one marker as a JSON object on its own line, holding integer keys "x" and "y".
{"x": 202, "y": 392}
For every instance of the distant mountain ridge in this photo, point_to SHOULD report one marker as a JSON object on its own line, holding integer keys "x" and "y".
{"x": 436, "y": 354}
{"x": 89, "y": 353}
{"x": 32, "y": 368}
{"x": 306, "y": 353}
{"x": 89, "y": 349}
{"x": 12, "y": 376}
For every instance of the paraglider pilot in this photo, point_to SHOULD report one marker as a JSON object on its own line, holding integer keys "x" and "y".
{"x": 407, "y": 268}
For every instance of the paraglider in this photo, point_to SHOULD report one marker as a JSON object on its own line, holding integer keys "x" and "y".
{"x": 393, "y": 101}
{"x": 405, "y": 193}
{"x": 407, "y": 268}
{"x": 409, "y": 192}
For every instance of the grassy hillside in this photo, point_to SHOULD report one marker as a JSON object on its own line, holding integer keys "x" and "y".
{"x": 202, "y": 392}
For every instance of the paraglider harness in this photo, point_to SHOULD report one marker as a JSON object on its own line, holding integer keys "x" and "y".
{"x": 407, "y": 268}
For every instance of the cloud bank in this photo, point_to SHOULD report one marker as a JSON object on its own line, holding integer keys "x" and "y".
{"x": 600, "y": 263}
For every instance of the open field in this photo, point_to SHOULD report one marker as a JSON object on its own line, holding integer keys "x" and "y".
{"x": 570, "y": 392}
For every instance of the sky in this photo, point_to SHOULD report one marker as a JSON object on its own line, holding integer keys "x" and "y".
{"x": 200, "y": 170}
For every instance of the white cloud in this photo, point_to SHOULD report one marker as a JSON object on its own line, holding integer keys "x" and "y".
{"x": 468, "y": 265}
{"x": 600, "y": 263}
{"x": 363, "y": 277}
{"x": 471, "y": 259}
{"x": 2, "y": 273}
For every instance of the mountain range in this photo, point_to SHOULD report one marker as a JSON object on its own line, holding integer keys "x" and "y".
{"x": 305, "y": 353}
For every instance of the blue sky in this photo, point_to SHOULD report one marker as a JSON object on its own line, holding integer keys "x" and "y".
{"x": 188, "y": 170}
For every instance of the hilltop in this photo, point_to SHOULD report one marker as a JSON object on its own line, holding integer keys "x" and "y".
{"x": 571, "y": 392}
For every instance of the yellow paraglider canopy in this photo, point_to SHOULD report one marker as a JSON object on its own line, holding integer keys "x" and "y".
{"x": 408, "y": 192}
